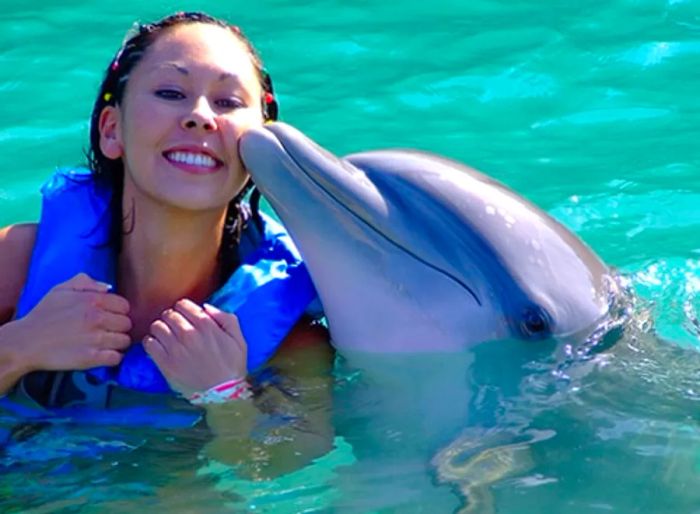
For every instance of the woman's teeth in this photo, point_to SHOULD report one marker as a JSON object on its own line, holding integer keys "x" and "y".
{"x": 194, "y": 159}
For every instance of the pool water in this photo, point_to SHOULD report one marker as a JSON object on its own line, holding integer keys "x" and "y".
{"x": 588, "y": 109}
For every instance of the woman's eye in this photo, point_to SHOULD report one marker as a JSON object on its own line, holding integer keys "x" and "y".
{"x": 230, "y": 103}
{"x": 169, "y": 94}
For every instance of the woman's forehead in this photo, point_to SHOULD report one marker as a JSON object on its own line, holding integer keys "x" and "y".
{"x": 197, "y": 45}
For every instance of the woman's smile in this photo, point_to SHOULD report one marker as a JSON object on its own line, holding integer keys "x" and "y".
{"x": 197, "y": 161}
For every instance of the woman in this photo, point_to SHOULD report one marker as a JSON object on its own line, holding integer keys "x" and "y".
{"x": 166, "y": 170}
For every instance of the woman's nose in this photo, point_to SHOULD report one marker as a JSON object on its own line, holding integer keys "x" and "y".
{"x": 202, "y": 116}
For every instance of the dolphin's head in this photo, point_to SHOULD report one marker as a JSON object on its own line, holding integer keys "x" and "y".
{"x": 413, "y": 252}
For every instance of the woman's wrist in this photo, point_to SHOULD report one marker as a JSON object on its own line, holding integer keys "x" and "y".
{"x": 228, "y": 391}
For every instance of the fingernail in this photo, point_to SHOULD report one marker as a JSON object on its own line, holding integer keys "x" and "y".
{"x": 108, "y": 287}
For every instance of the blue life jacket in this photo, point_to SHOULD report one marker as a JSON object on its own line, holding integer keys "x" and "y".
{"x": 268, "y": 292}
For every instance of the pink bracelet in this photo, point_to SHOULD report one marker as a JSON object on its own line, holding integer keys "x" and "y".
{"x": 228, "y": 391}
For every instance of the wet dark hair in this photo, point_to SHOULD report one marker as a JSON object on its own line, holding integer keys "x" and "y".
{"x": 110, "y": 172}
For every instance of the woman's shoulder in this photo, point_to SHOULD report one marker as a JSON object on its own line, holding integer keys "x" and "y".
{"x": 16, "y": 244}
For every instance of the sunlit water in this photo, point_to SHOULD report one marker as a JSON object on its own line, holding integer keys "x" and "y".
{"x": 588, "y": 109}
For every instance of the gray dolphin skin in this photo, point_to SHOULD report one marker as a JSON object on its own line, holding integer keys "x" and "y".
{"x": 411, "y": 252}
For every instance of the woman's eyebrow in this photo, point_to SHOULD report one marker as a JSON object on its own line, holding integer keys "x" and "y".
{"x": 226, "y": 75}
{"x": 171, "y": 65}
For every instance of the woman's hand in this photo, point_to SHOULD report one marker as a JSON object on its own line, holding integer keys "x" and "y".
{"x": 77, "y": 325}
{"x": 197, "y": 348}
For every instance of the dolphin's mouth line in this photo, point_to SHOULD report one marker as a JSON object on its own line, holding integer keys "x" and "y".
{"x": 373, "y": 229}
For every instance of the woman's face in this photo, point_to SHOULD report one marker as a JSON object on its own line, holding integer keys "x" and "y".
{"x": 185, "y": 106}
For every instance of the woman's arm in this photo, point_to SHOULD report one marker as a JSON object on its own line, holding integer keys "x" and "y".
{"x": 286, "y": 425}
{"x": 16, "y": 243}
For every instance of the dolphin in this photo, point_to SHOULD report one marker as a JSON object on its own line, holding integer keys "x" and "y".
{"x": 418, "y": 260}
{"x": 412, "y": 252}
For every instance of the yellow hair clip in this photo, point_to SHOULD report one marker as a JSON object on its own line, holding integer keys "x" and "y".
{"x": 107, "y": 97}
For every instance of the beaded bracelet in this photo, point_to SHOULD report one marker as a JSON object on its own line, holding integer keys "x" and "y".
{"x": 228, "y": 391}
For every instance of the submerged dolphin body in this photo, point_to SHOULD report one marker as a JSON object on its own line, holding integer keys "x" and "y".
{"x": 411, "y": 252}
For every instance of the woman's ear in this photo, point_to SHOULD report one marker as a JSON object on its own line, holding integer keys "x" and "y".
{"x": 110, "y": 132}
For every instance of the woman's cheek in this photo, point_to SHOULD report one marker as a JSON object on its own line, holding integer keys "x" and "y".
{"x": 235, "y": 125}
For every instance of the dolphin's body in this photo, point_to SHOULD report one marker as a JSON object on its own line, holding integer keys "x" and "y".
{"x": 411, "y": 252}
{"x": 416, "y": 260}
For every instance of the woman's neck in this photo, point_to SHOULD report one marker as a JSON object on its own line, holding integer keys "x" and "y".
{"x": 167, "y": 254}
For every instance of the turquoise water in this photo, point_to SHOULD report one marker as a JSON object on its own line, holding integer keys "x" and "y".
{"x": 590, "y": 110}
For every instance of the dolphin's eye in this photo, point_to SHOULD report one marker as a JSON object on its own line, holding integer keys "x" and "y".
{"x": 534, "y": 323}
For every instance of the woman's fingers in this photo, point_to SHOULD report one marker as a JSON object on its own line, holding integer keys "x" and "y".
{"x": 161, "y": 331}
{"x": 114, "y": 341}
{"x": 196, "y": 316}
{"x": 115, "y": 322}
{"x": 227, "y": 322}
{"x": 107, "y": 358}
{"x": 179, "y": 326}
{"x": 155, "y": 349}
{"x": 113, "y": 303}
